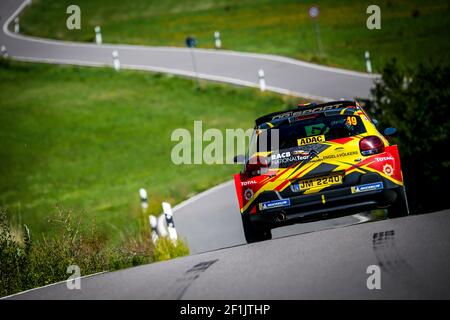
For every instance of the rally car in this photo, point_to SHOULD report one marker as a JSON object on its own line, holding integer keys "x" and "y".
{"x": 314, "y": 162}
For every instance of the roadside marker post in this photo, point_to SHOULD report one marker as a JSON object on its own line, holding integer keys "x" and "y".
{"x": 162, "y": 226}
{"x": 144, "y": 199}
{"x": 16, "y": 25}
{"x": 262, "y": 80}
{"x": 98, "y": 35}
{"x": 116, "y": 62}
{"x": 4, "y": 52}
{"x": 191, "y": 42}
{"x": 368, "y": 63}
{"x": 168, "y": 214}
{"x": 314, "y": 14}
{"x": 218, "y": 41}
{"x": 154, "y": 228}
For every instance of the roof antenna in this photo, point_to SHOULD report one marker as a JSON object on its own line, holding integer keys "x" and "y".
{"x": 309, "y": 104}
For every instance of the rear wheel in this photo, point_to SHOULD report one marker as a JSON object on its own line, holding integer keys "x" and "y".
{"x": 400, "y": 207}
{"x": 253, "y": 232}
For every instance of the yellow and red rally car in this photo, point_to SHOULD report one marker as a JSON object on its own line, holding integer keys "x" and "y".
{"x": 315, "y": 162}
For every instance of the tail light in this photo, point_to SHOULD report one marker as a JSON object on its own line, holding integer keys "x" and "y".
{"x": 371, "y": 145}
{"x": 256, "y": 166}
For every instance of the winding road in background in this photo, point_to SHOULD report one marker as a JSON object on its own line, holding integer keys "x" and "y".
{"x": 330, "y": 262}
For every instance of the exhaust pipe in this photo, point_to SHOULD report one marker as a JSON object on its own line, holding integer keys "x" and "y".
{"x": 281, "y": 216}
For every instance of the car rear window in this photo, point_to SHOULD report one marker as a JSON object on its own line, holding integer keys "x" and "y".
{"x": 332, "y": 127}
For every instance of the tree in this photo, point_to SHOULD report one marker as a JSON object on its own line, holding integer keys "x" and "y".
{"x": 416, "y": 102}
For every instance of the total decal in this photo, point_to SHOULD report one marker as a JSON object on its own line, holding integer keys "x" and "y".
{"x": 248, "y": 183}
{"x": 380, "y": 159}
{"x": 388, "y": 168}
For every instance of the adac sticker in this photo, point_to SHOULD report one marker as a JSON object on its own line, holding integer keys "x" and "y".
{"x": 367, "y": 187}
{"x": 310, "y": 140}
{"x": 274, "y": 204}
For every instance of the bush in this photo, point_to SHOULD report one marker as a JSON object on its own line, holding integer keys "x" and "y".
{"x": 26, "y": 264}
{"x": 416, "y": 102}
{"x": 14, "y": 259}
{"x": 166, "y": 249}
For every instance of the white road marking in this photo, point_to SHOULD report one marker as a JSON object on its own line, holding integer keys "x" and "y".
{"x": 50, "y": 285}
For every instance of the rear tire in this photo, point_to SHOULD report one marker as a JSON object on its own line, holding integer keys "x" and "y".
{"x": 400, "y": 207}
{"x": 255, "y": 233}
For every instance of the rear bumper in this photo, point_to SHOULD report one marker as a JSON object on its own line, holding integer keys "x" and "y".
{"x": 325, "y": 205}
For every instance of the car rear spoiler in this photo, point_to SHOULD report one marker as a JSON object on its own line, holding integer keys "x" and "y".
{"x": 302, "y": 108}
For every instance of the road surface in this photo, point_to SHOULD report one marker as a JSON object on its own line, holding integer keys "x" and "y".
{"x": 412, "y": 253}
{"x": 326, "y": 259}
{"x": 283, "y": 75}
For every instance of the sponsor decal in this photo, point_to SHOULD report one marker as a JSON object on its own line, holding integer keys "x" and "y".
{"x": 286, "y": 157}
{"x": 314, "y": 154}
{"x": 281, "y": 155}
{"x": 274, "y": 204}
{"x": 295, "y": 187}
{"x": 388, "y": 169}
{"x": 300, "y": 152}
{"x": 380, "y": 159}
{"x": 306, "y": 112}
{"x": 343, "y": 154}
{"x": 310, "y": 140}
{"x": 367, "y": 187}
{"x": 247, "y": 183}
{"x": 248, "y": 194}
{"x": 297, "y": 154}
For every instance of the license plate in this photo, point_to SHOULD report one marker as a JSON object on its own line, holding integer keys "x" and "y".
{"x": 318, "y": 182}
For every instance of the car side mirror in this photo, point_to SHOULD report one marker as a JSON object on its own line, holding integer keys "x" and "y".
{"x": 375, "y": 122}
{"x": 239, "y": 159}
{"x": 390, "y": 131}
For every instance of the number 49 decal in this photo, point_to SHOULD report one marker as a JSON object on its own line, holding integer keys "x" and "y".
{"x": 352, "y": 121}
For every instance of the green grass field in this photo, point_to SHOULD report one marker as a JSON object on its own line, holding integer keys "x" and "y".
{"x": 411, "y": 31}
{"x": 87, "y": 139}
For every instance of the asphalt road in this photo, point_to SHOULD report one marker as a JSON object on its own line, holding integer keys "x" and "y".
{"x": 331, "y": 264}
{"x": 327, "y": 259}
{"x": 283, "y": 75}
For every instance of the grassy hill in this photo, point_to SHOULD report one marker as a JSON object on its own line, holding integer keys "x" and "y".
{"x": 411, "y": 31}
{"x": 87, "y": 139}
